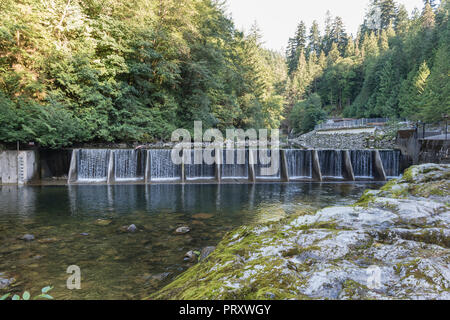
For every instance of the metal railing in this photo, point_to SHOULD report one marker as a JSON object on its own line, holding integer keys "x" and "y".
{"x": 437, "y": 131}
{"x": 371, "y": 122}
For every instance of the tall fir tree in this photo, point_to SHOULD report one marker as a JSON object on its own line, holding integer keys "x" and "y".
{"x": 314, "y": 39}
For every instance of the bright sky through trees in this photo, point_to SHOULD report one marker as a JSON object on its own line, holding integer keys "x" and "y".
{"x": 278, "y": 19}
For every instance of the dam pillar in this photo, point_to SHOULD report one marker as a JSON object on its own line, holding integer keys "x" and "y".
{"x": 111, "y": 175}
{"x": 185, "y": 157}
{"x": 348, "y": 167}
{"x": 379, "y": 172}
{"x": 148, "y": 168}
{"x": 316, "y": 172}
{"x": 73, "y": 170}
{"x": 252, "y": 156}
{"x": 218, "y": 166}
{"x": 284, "y": 166}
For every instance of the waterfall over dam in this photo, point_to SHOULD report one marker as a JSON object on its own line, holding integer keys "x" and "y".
{"x": 92, "y": 165}
{"x": 196, "y": 171}
{"x": 331, "y": 163}
{"x": 161, "y": 166}
{"x": 156, "y": 166}
{"x": 362, "y": 162}
{"x": 129, "y": 165}
{"x": 300, "y": 164}
{"x": 391, "y": 162}
{"x": 235, "y": 164}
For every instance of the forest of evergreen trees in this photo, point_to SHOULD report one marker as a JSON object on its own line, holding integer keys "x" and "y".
{"x": 113, "y": 70}
{"x": 397, "y": 66}
{"x": 75, "y": 71}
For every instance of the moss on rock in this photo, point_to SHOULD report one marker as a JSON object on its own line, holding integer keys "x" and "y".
{"x": 328, "y": 254}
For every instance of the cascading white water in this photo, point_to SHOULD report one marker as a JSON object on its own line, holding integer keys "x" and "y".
{"x": 391, "y": 162}
{"x": 299, "y": 164}
{"x": 362, "y": 162}
{"x": 93, "y": 165}
{"x": 199, "y": 171}
{"x": 274, "y": 164}
{"x": 129, "y": 165}
{"x": 162, "y": 166}
{"x": 235, "y": 164}
{"x": 331, "y": 163}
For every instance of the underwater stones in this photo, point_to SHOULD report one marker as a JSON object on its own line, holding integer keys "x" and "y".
{"x": 194, "y": 255}
{"x": 191, "y": 256}
{"x": 161, "y": 276}
{"x": 5, "y": 282}
{"x": 155, "y": 279}
{"x": 27, "y": 237}
{"x": 202, "y": 216}
{"x": 206, "y": 252}
{"x": 132, "y": 228}
{"x": 47, "y": 240}
{"x": 182, "y": 230}
{"x": 103, "y": 222}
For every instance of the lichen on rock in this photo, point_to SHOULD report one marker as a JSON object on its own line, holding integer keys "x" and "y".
{"x": 392, "y": 244}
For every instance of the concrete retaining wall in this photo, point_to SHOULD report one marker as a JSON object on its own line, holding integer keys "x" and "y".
{"x": 19, "y": 167}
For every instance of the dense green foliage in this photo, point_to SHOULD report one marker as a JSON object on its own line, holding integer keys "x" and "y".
{"x": 397, "y": 66}
{"x": 74, "y": 71}
{"x": 110, "y": 70}
{"x": 307, "y": 113}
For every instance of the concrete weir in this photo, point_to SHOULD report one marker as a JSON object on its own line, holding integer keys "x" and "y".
{"x": 379, "y": 173}
{"x": 317, "y": 172}
{"x": 72, "y": 176}
{"x": 348, "y": 167}
{"x": 297, "y": 165}
{"x": 155, "y": 166}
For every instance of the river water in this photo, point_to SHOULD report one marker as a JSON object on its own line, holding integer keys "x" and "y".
{"x": 84, "y": 226}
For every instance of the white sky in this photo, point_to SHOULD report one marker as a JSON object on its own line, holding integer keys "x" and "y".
{"x": 278, "y": 19}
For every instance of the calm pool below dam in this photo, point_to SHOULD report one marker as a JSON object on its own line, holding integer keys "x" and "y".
{"x": 83, "y": 225}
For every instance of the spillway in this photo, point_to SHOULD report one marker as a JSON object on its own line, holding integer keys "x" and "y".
{"x": 156, "y": 165}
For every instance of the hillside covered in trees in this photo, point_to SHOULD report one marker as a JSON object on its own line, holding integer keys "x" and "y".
{"x": 112, "y": 70}
{"x": 75, "y": 71}
{"x": 397, "y": 66}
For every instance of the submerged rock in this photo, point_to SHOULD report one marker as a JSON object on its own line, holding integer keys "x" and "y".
{"x": 182, "y": 230}
{"x": 161, "y": 276}
{"x": 103, "y": 222}
{"x": 392, "y": 244}
{"x": 191, "y": 256}
{"x": 5, "y": 282}
{"x": 203, "y": 216}
{"x": 132, "y": 228}
{"x": 48, "y": 240}
{"x": 27, "y": 237}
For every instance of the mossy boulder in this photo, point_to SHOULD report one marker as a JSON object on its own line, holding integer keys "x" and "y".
{"x": 392, "y": 244}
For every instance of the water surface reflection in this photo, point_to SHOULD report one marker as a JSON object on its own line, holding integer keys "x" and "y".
{"x": 120, "y": 265}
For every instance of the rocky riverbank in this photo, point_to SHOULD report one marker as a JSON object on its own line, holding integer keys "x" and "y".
{"x": 393, "y": 244}
{"x": 348, "y": 139}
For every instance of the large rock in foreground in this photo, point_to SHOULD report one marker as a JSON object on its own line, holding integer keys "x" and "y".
{"x": 393, "y": 244}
